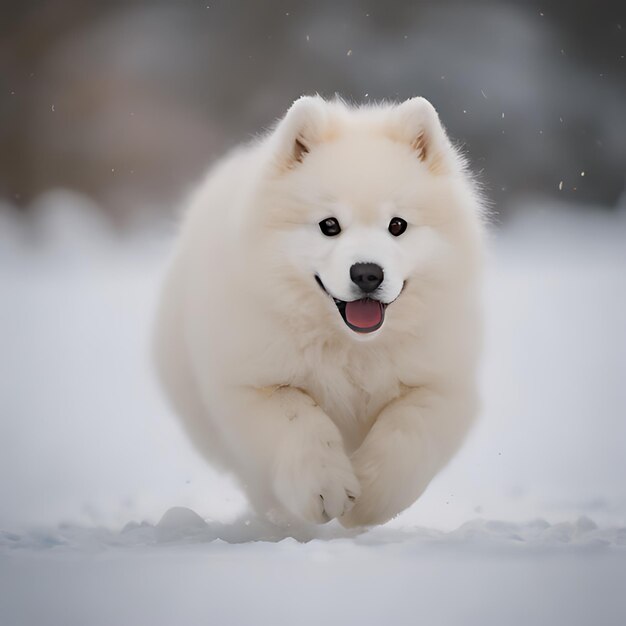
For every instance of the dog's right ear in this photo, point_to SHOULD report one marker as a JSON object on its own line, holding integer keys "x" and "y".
{"x": 304, "y": 126}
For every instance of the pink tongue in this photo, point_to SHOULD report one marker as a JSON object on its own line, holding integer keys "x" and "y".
{"x": 364, "y": 313}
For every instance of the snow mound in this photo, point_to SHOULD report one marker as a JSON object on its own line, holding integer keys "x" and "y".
{"x": 181, "y": 526}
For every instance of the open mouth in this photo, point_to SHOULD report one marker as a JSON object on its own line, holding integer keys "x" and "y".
{"x": 362, "y": 316}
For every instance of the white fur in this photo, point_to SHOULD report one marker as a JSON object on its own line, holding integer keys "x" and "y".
{"x": 315, "y": 420}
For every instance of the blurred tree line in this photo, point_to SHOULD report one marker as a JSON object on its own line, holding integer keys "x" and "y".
{"x": 129, "y": 101}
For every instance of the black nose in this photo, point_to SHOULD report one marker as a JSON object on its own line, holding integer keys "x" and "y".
{"x": 367, "y": 276}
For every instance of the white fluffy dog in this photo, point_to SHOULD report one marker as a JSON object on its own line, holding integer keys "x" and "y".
{"x": 319, "y": 327}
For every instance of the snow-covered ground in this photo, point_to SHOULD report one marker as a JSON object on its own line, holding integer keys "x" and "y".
{"x": 526, "y": 525}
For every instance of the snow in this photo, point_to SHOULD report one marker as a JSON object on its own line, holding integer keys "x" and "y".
{"x": 484, "y": 573}
{"x": 108, "y": 516}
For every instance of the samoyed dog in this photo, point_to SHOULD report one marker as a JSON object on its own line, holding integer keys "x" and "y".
{"x": 319, "y": 327}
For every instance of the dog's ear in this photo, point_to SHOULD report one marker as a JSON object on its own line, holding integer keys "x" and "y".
{"x": 417, "y": 123}
{"x": 303, "y": 126}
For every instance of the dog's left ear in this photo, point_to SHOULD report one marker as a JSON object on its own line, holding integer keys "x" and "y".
{"x": 300, "y": 130}
{"x": 417, "y": 123}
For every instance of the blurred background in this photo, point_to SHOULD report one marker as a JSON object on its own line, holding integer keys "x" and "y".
{"x": 128, "y": 101}
{"x": 111, "y": 111}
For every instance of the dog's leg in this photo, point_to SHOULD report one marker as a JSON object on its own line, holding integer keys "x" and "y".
{"x": 280, "y": 435}
{"x": 411, "y": 440}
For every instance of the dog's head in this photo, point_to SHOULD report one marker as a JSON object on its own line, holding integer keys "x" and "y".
{"x": 364, "y": 204}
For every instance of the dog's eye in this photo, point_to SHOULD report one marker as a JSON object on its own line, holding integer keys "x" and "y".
{"x": 397, "y": 226}
{"x": 330, "y": 227}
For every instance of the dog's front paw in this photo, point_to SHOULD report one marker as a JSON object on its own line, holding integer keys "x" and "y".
{"x": 371, "y": 507}
{"x": 314, "y": 479}
{"x": 384, "y": 475}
